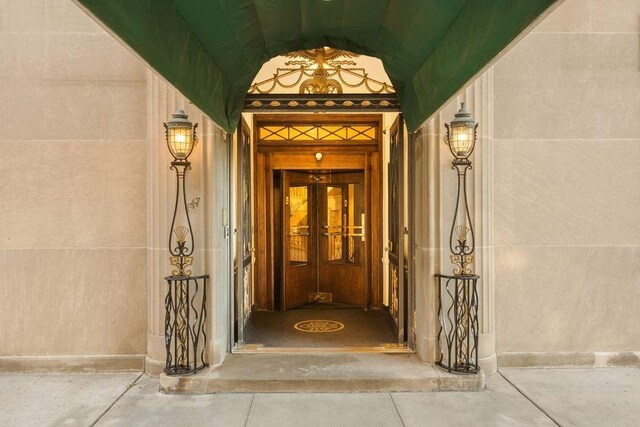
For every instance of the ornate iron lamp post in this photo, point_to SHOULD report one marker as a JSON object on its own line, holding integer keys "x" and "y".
{"x": 461, "y": 139}
{"x": 181, "y": 138}
{"x": 458, "y": 295}
{"x": 185, "y": 306}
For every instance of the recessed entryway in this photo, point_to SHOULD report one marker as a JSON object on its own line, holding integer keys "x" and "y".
{"x": 312, "y": 237}
{"x": 321, "y": 329}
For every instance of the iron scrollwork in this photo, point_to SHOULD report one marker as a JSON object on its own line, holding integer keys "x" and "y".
{"x": 458, "y": 293}
{"x": 320, "y": 76}
{"x": 185, "y": 317}
{"x": 462, "y": 237}
{"x": 186, "y": 299}
{"x": 321, "y": 71}
{"x": 458, "y": 314}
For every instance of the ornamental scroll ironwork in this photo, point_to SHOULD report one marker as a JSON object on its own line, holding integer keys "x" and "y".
{"x": 181, "y": 241}
{"x": 322, "y": 102}
{"x": 185, "y": 323}
{"x": 185, "y": 301}
{"x": 458, "y": 315}
{"x": 458, "y": 293}
{"x": 321, "y": 132}
{"x": 321, "y": 71}
{"x": 462, "y": 237}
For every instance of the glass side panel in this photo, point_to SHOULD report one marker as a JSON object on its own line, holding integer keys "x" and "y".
{"x": 334, "y": 223}
{"x": 393, "y": 194}
{"x": 355, "y": 223}
{"x": 246, "y": 196}
{"x": 299, "y": 230}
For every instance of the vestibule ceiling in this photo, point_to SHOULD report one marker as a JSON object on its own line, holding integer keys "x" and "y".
{"x": 211, "y": 50}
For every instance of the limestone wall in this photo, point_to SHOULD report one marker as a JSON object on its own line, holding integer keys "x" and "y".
{"x": 73, "y": 192}
{"x": 86, "y": 192}
{"x": 87, "y": 197}
{"x": 567, "y": 182}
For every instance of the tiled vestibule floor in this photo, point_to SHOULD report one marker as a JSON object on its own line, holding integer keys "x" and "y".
{"x": 606, "y": 396}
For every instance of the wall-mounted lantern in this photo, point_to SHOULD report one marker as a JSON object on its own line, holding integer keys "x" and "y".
{"x": 185, "y": 315}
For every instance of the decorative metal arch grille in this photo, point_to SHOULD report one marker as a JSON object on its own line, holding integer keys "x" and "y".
{"x": 324, "y": 132}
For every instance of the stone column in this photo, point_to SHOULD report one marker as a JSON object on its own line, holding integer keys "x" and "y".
{"x": 426, "y": 205}
{"x": 161, "y": 102}
{"x": 434, "y": 201}
{"x": 212, "y": 235}
{"x": 207, "y": 185}
{"x": 479, "y": 98}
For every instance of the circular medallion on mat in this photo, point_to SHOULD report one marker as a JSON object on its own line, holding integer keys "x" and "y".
{"x": 319, "y": 326}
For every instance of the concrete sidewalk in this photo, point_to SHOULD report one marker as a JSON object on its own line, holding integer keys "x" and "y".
{"x": 608, "y": 396}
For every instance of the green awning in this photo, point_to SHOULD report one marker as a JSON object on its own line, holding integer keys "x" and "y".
{"x": 212, "y": 49}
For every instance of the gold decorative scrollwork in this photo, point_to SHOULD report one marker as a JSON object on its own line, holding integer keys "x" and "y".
{"x": 393, "y": 308}
{"x": 321, "y": 71}
{"x": 181, "y": 263}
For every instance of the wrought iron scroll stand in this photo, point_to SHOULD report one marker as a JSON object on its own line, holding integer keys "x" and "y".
{"x": 458, "y": 293}
{"x": 186, "y": 300}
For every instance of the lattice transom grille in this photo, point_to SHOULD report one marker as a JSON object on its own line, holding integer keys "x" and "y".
{"x": 327, "y": 132}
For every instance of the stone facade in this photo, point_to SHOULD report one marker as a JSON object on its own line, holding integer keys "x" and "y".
{"x": 567, "y": 183}
{"x": 87, "y": 192}
{"x": 555, "y": 194}
{"x": 73, "y": 227}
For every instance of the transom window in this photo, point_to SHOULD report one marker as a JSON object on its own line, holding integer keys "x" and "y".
{"x": 328, "y": 132}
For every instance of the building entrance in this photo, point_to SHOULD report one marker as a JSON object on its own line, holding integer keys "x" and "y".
{"x": 324, "y": 238}
{"x": 316, "y": 235}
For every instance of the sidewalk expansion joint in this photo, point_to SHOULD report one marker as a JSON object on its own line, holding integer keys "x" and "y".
{"x": 397, "y": 411}
{"x": 129, "y": 387}
{"x": 246, "y": 421}
{"x": 530, "y": 400}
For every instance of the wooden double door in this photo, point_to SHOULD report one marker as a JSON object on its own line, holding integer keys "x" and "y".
{"x": 324, "y": 238}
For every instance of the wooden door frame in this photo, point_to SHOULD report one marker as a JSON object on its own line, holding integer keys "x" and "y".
{"x": 396, "y": 248}
{"x": 300, "y": 155}
{"x": 242, "y": 259}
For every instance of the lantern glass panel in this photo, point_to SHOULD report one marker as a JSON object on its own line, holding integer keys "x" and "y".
{"x": 180, "y": 142}
{"x": 461, "y": 140}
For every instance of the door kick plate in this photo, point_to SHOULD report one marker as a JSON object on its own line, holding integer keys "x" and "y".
{"x": 321, "y": 297}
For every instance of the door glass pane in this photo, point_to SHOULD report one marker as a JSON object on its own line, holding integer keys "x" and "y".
{"x": 299, "y": 225}
{"x": 355, "y": 223}
{"x": 246, "y": 196}
{"x": 334, "y": 223}
{"x": 393, "y": 194}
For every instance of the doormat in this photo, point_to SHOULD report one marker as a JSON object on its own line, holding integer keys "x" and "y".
{"x": 318, "y": 326}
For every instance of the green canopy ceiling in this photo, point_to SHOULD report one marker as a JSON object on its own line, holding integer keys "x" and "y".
{"x": 212, "y": 49}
